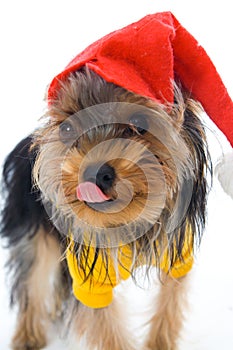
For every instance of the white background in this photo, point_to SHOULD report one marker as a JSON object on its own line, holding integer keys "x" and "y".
{"x": 37, "y": 40}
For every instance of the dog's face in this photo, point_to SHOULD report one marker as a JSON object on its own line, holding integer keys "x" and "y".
{"x": 112, "y": 164}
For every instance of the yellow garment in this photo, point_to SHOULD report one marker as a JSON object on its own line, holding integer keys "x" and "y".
{"x": 97, "y": 291}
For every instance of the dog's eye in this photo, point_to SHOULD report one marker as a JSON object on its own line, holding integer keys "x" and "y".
{"x": 138, "y": 123}
{"x": 67, "y": 133}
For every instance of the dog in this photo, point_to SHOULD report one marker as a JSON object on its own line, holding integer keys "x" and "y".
{"x": 36, "y": 244}
{"x": 113, "y": 180}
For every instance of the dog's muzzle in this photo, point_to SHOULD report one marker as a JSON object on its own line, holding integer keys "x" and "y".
{"x": 97, "y": 180}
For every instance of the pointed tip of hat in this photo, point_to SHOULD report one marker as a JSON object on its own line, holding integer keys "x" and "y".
{"x": 224, "y": 173}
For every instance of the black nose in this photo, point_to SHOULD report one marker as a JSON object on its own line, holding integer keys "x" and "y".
{"x": 102, "y": 176}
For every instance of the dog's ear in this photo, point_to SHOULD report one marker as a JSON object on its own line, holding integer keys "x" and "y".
{"x": 193, "y": 194}
{"x": 202, "y": 169}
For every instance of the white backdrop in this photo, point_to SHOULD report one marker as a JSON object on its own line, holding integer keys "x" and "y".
{"x": 37, "y": 40}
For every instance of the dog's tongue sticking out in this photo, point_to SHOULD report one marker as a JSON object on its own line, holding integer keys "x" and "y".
{"x": 91, "y": 193}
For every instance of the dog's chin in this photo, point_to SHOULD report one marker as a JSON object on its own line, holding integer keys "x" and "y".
{"x": 106, "y": 210}
{"x": 100, "y": 206}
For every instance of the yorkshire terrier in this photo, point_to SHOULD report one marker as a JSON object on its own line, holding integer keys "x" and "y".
{"x": 113, "y": 180}
{"x": 105, "y": 158}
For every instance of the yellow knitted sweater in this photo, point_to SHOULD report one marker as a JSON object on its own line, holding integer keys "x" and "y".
{"x": 97, "y": 291}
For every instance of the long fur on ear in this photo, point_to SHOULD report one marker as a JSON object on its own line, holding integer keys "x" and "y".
{"x": 194, "y": 135}
{"x": 193, "y": 219}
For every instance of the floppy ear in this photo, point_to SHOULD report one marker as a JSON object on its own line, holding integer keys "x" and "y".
{"x": 194, "y": 220}
{"x": 202, "y": 167}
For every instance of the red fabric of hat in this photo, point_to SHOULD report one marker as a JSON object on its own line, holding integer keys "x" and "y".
{"x": 144, "y": 58}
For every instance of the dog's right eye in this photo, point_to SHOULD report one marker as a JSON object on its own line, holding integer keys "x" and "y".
{"x": 67, "y": 133}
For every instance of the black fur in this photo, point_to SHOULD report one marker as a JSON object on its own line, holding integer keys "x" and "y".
{"x": 23, "y": 211}
{"x": 22, "y": 215}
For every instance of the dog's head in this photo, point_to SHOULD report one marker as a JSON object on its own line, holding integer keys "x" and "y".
{"x": 115, "y": 167}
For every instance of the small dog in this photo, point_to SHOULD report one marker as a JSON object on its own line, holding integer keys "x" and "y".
{"x": 113, "y": 180}
{"x": 108, "y": 156}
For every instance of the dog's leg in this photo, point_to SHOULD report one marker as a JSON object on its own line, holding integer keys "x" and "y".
{"x": 166, "y": 324}
{"x": 103, "y": 329}
{"x": 35, "y": 288}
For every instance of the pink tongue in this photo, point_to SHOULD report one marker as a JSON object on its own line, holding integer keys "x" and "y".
{"x": 89, "y": 192}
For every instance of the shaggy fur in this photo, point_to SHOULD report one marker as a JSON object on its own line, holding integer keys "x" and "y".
{"x": 165, "y": 162}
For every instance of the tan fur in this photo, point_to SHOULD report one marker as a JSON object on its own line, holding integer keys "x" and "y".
{"x": 104, "y": 328}
{"x": 40, "y": 302}
{"x": 166, "y": 324}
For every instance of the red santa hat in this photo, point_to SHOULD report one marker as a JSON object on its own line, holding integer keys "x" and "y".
{"x": 145, "y": 58}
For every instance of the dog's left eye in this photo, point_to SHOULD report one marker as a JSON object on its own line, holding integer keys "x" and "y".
{"x": 138, "y": 123}
{"x": 67, "y": 133}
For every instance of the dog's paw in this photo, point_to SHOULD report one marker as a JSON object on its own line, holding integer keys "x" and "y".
{"x": 160, "y": 346}
{"x": 28, "y": 346}
{"x": 23, "y": 342}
